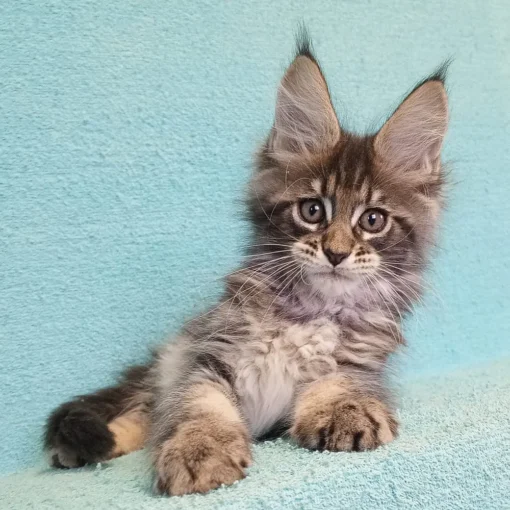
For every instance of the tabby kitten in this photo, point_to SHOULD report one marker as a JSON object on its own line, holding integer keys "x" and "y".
{"x": 342, "y": 227}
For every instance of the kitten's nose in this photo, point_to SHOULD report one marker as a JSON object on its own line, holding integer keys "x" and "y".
{"x": 334, "y": 257}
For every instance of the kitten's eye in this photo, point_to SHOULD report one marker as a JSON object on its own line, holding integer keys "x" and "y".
{"x": 312, "y": 210}
{"x": 372, "y": 220}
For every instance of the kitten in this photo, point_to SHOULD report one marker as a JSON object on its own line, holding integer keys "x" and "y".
{"x": 342, "y": 227}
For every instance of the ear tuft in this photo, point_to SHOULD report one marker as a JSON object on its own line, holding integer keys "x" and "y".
{"x": 440, "y": 74}
{"x": 304, "y": 43}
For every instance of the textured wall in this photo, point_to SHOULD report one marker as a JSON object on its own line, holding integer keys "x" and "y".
{"x": 127, "y": 128}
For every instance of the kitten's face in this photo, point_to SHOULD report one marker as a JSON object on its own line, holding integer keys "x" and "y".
{"x": 342, "y": 220}
{"x": 335, "y": 208}
{"x": 346, "y": 231}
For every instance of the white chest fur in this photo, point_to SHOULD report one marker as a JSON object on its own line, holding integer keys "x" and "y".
{"x": 278, "y": 358}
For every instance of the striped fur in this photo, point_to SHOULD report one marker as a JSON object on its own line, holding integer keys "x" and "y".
{"x": 301, "y": 338}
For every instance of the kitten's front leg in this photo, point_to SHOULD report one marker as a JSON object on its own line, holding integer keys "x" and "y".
{"x": 208, "y": 446}
{"x": 338, "y": 414}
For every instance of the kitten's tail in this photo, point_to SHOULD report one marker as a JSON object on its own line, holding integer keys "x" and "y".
{"x": 96, "y": 427}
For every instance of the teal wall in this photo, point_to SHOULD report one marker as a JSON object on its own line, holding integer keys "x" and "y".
{"x": 127, "y": 129}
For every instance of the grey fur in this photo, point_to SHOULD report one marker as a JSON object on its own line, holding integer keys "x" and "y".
{"x": 288, "y": 317}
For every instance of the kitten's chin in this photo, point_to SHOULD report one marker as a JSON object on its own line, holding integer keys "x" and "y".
{"x": 332, "y": 285}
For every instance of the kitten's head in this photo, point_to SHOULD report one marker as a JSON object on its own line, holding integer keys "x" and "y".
{"x": 337, "y": 208}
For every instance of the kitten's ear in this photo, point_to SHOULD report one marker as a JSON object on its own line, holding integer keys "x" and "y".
{"x": 305, "y": 120}
{"x": 412, "y": 137}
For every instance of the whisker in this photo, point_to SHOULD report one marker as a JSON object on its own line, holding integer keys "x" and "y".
{"x": 271, "y": 222}
{"x": 276, "y": 268}
{"x": 268, "y": 278}
{"x": 422, "y": 282}
{"x": 399, "y": 241}
{"x": 267, "y": 253}
{"x": 285, "y": 191}
{"x": 400, "y": 279}
{"x": 292, "y": 275}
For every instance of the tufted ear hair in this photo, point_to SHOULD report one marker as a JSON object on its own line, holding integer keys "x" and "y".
{"x": 305, "y": 120}
{"x": 413, "y": 136}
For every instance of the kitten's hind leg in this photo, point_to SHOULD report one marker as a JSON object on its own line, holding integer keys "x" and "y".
{"x": 102, "y": 425}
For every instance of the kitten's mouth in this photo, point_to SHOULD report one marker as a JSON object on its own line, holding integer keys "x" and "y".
{"x": 335, "y": 275}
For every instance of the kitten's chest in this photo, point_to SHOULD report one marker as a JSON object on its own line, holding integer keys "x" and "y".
{"x": 275, "y": 360}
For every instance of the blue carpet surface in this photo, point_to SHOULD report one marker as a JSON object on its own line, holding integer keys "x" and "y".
{"x": 453, "y": 452}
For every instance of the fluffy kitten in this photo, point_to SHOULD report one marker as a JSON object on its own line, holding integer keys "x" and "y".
{"x": 342, "y": 226}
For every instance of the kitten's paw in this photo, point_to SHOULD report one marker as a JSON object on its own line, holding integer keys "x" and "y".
{"x": 202, "y": 455}
{"x": 349, "y": 424}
